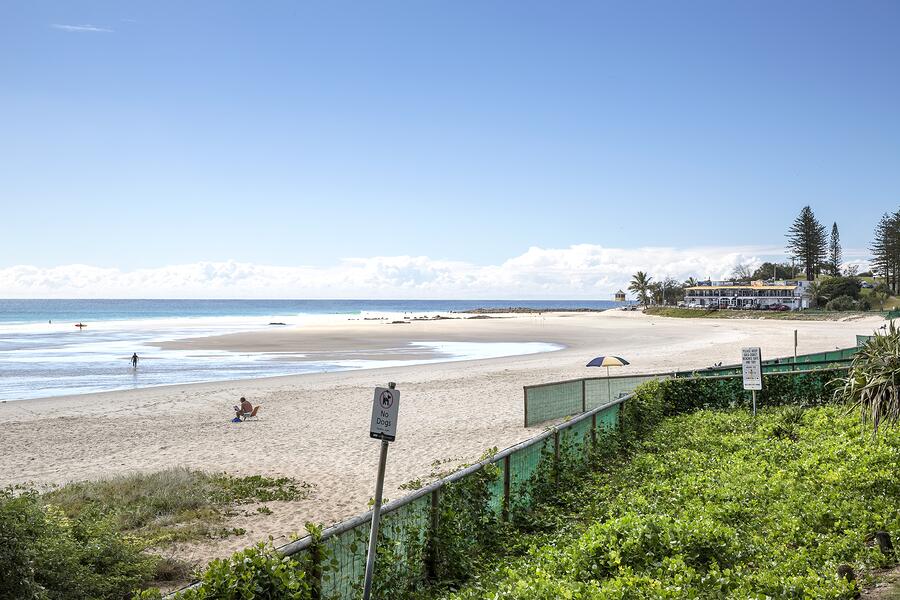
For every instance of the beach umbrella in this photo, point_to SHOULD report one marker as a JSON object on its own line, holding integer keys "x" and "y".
{"x": 608, "y": 361}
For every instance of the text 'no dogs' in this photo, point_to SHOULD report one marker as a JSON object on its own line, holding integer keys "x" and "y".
{"x": 385, "y": 407}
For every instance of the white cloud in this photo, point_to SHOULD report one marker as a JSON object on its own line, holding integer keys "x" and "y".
{"x": 580, "y": 271}
{"x": 82, "y": 28}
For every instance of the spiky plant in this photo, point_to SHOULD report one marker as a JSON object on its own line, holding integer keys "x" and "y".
{"x": 873, "y": 383}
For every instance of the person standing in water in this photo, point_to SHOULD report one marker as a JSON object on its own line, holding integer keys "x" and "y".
{"x": 134, "y": 359}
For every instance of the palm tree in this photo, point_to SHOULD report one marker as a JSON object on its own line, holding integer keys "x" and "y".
{"x": 640, "y": 287}
{"x": 814, "y": 291}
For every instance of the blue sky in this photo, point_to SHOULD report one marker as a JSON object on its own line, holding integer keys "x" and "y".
{"x": 140, "y": 135}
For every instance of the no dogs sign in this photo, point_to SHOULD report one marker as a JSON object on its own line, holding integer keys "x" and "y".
{"x": 385, "y": 407}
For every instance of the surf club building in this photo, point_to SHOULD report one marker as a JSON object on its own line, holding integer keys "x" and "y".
{"x": 752, "y": 295}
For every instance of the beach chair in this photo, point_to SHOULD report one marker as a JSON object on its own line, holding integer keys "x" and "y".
{"x": 251, "y": 415}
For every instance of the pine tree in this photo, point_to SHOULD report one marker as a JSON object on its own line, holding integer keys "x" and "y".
{"x": 807, "y": 242}
{"x": 835, "y": 256}
{"x": 886, "y": 250}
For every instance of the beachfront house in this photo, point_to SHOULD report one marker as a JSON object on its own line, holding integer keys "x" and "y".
{"x": 748, "y": 295}
{"x": 620, "y": 296}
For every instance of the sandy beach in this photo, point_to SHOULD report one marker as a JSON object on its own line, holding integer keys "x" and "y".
{"x": 314, "y": 427}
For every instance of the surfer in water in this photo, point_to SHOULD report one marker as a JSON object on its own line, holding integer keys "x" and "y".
{"x": 134, "y": 359}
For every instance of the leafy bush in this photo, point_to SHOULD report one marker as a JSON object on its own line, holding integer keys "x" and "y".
{"x": 841, "y": 303}
{"x": 46, "y": 555}
{"x": 712, "y": 505}
{"x": 257, "y": 573}
{"x": 682, "y": 395}
{"x": 873, "y": 383}
{"x": 834, "y": 287}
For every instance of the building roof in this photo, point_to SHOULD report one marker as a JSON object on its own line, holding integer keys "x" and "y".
{"x": 743, "y": 287}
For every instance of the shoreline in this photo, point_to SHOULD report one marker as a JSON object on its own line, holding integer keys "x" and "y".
{"x": 313, "y": 427}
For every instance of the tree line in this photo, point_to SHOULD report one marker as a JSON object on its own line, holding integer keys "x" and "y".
{"x": 885, "y": 250}
{"x": 813, "y": 251}
{"x": 817, "y": 253}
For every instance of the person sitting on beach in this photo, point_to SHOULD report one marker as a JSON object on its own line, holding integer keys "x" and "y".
{"x": 244, "y": 409}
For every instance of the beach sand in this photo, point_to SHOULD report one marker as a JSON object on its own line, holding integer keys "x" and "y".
{"x": 314, "y": 427}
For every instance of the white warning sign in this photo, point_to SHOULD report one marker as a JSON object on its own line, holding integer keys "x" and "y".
{"x": 384, "y": 414}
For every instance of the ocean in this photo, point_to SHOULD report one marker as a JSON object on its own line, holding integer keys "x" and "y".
{"x": 43, "y": 353}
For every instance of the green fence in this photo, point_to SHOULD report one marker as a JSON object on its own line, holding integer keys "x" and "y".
{"x": 336, "y": 562}
{"x": 816, "y": 360}
{"x": 892, "y": 314}
{"x": 548, "y": 401}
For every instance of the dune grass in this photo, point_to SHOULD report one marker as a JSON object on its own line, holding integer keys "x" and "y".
{"x": 172, "y": 505}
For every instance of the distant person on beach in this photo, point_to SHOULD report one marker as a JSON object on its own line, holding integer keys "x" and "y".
{"x": 244, "y": 409}
{"x": 134, "y": 359}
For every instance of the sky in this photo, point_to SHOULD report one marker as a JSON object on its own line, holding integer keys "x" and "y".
{"x": 433, "y": 149}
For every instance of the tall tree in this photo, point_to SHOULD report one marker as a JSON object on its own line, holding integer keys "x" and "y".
{"x": 742, "y": 272}
{"x": 886, "y": 250}
{"x": 835, "y": 256}
{"x": 807, "y": 243}
{"x": 769, "y": 270}
{"x": 640, "y": 287}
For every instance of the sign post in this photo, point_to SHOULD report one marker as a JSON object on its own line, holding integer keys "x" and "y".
{"x": 795, "y": 351}
{"x": 751, "y": 369}
{"x": 385, "y": 407}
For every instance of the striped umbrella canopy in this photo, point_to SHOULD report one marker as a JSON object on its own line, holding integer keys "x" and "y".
{"x": 608, "y": 361}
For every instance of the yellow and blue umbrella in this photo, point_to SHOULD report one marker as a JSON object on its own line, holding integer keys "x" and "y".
{"x": 608, "y": 361}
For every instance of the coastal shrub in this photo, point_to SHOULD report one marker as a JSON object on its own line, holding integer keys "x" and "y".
{"x": 686, "y": 394}
{"x": 835, "y": 287}
{"x": 467, "y": 526}
{"x": 841, "y": 303}
{"x": 257, "y": 573}
{"x": 873, "y": 382}
{"x": 44, "y": 554}
{"x": 713, "y": 505}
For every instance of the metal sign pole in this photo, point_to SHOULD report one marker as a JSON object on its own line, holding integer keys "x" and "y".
{"x": 376, "y": 515}
{"x": 754, "y": 402}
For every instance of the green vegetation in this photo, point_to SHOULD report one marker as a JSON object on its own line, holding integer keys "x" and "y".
{"x": 46, "y": 555}
{"x": 172, "y": 505}
{"x": 871, "y": 384}
{"x": 640, "y": 287}
{"x": 885, "y": 249}
{"x": 807, "y": 243}
{"x": 88, "y": 540}
{"x": 715, "y": 505}
{"x": 259, "y": 573}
